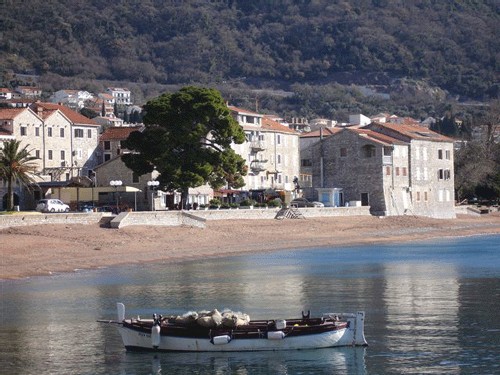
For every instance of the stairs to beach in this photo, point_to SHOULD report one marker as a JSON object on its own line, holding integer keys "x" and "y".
{"x": 289, "y": 213}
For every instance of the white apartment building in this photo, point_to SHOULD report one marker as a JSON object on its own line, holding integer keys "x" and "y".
{"x": 74, "y": 99}
{"x": 121, "y": 95}
{"x": 271, "y": 151}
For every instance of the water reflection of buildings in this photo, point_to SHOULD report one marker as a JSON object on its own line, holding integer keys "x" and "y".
{"x": 422, "y": 310}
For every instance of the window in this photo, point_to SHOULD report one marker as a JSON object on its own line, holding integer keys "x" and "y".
{"x": 278, "y": 139}
{"x": 388, "y": 171}
{"x": 135, "y": 178}
{"x": 78, "y": 133}
{"x": 368, "y": 151}
{"x": 440, "y": 154}
{"x": 440, "y": 195}
{"x": 23, "y": 130}
{"x": 89, "y": 133}
{"x": 387, "y": 151}
{"x": 444, "y": 174}
{"x": 397, "y": 171}
{"x": 424, "y": 153}
{"x": 49, "y": 132}
{"x": 37, "y": 154}
{"x": 343, "y": 152}
{"x": 306, "y": 163}
{"x": 107, "y": 157}
{"x": 405, "y": 172}
{"x": 278, "y": 159}
{"x": 448, "y": 154}
{"x": 425, "y": 196}
{"x": 37, "y": 131}
{"x": 61, "y": 132}
{"x": 418, "y": 196}
{"x": 107, "y": 145}
{"x": 50, "y": 155}
{"x": 426, "y": 174}
{"x": 63, "y": 155}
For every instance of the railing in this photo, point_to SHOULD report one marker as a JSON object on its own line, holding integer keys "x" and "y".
{"x": 305, "y": 180}
{"x": 257, "y": 146}
{"x": 257, "y": 165}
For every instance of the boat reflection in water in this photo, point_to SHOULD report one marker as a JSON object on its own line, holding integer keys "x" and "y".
{"x": 345, "y": 360}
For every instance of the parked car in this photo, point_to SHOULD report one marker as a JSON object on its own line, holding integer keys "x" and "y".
{"x": 51, "y": 205}
{"x": 303, "y": 202}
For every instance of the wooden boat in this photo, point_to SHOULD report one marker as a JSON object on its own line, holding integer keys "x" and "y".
{"x": 169, "y": 334}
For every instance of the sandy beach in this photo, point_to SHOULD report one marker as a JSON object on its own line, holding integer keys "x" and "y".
{"x": 47, "y": 249}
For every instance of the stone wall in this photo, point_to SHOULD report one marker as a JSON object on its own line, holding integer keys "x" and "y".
{"x": 157, "y": 218}
{"x": 16, "y": 220}
{"x": 196, "y": 218}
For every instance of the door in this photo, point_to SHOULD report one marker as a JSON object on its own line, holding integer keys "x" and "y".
{"x": 364, "y": 199}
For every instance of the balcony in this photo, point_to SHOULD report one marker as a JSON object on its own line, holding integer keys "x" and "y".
{"x": 257, "y": 146}
{"x": 258, "y": 165}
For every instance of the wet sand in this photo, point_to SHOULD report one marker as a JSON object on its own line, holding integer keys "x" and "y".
{"x": 47, "y": 249}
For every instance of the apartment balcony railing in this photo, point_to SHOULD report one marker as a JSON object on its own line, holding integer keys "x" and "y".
{"x": 305, "y": 180}
{"x": 258, "y": 165}
{"x": 257, "y": 146}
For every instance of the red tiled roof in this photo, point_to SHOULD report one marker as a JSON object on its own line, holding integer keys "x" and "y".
{"x": 376, "y": 137}
{"x": 119, "y": 133}
{"x": 268, "y": 124}
{"x": 326, "y": 133}
{"x": 74, "y": 117}
{"x": 10, "y": 113}
{"x": 413, "y": 131}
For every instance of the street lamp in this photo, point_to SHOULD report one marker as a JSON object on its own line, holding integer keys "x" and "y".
{"x": 153, "y": 184}
{"x": 116, "y": 184}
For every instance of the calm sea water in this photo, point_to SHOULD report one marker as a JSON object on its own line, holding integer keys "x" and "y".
{"x": 431, "y": 308}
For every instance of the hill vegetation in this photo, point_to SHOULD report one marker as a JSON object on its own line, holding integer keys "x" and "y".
{"x": 452, "y": 45}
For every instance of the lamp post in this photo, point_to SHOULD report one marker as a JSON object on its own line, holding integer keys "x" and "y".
{"x": 116, "y": 184}
{"x": 153, "y": 184}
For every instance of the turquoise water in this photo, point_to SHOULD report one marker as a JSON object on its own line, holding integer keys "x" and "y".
{"x": 431, "y": 307}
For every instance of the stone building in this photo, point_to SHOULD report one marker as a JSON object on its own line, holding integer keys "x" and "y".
{"x": 395, "y": 169}
{"x": 63, "y": 141}
{"x": 111, "y": 141}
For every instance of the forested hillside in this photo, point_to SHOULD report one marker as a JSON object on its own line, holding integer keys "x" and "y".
{"x": 452, "y": 45}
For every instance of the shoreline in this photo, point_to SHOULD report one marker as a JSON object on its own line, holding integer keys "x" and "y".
{"x": 44, "y": 250}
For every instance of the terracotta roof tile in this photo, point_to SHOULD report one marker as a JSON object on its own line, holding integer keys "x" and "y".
{"x": 376, "y": 137}
{"x": 268, "y": 124}
{"x": 10, "y": 113}
{"x": 412, "y": 131}
{"x": 326, "y": 133}
{"x": 119, "y": 133}
{"x": 74, "y": 117}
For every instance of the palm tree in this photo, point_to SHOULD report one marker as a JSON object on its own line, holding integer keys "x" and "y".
{"x": 16, "y": 165}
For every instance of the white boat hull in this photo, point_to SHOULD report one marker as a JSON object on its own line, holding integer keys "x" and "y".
{"x": 353, "y": 335}
{"x": 134, "y": 340}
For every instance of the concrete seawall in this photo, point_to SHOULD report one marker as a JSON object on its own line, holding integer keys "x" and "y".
{"x": 193, "y": 218}
{"x": 20, "y": 219}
